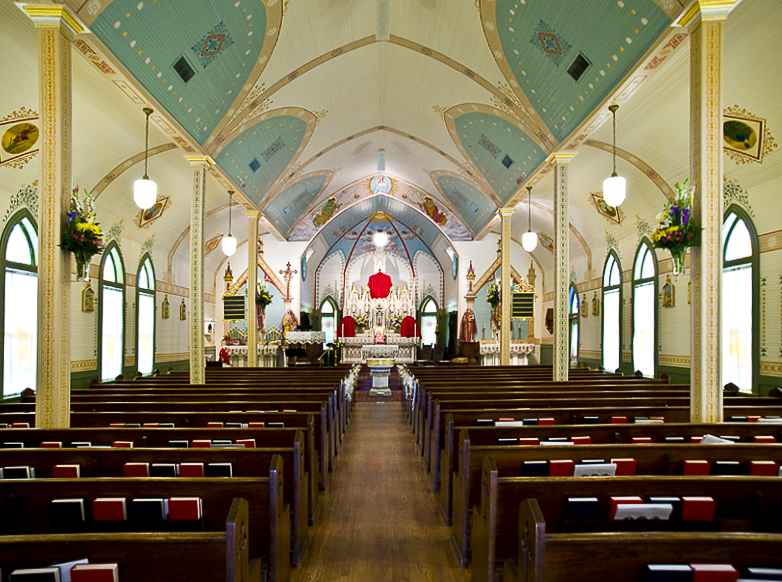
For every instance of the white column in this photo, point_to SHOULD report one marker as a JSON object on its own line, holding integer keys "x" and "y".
{"x": 199, "y": 166}
{"x": 252, "y": 286}
{"x": 505, "y": 303}
{"x": 560, "y": 161}
{"x": 56, "y": 30}
{"x": 705, "y": 21}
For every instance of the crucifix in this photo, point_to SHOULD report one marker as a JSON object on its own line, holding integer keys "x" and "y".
{"x": 287, "y": 274}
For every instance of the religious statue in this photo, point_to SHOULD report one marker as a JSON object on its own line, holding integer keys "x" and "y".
{"x": 468, "y": 327}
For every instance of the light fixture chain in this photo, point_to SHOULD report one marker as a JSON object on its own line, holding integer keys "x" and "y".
{"x": 147, "y": 111}
{"x": 230, "y": 211}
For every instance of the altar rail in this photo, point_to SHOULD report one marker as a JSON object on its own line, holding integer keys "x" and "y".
{"x": 352, "y": 348}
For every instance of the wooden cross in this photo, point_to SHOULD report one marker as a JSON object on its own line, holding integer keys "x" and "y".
{"x": 287, "y": 274}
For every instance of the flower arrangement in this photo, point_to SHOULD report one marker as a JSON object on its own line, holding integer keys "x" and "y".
{"x": 395, "y": 322}
{"x": 362, "y": 320}
{"x": 676, "y": 231}
{"x": 262, "y": 296}
{"x": 493, "y": 295}
{"x": 82, "y": 235}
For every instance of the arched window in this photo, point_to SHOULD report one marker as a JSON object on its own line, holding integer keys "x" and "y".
{"x": 429, "y": 322}
{"x": 573, "y": 318}
{"x": 145, "y": 317}
{"x": 612, "y": 313}
{"x": 111, "y": 314}
{"x": 19, "y": 304}
{"x": 739, "y": 291}
{"x": 645, "y": 310}
{"x": 327, "y": 318}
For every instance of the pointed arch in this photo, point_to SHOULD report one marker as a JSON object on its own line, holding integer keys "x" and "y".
{"x": 611, "y": 327}
{"x": 645, "y": 309}
{"x": 145, "y": 315}
{"x": 111, "y": 313}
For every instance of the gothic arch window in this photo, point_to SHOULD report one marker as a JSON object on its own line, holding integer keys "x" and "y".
{"x": 645, "y": 310}
{"x": 328, "y": 317}
{"x": 573, "y": 319}
{"x": 612, "y": 313}
{"x": 111, "y": 314}
{"x": 145, "y": 317}
{"x": 740, "y": 285}
{"x": 19, "y": 305}
{"x": 428, "y": 321}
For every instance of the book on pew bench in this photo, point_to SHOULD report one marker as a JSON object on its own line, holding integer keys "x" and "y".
{"x": 616, "y": 501}
{"x": 698, "y": 508}
{"x": 581, "y": 440}
{"x": 647, "y": 511}
{"x": 201, "y": 444}
{"x": 191, "y": 469}
{"x": 67, "y": 512}
{"x": 641, "y": 440}
{"x": 529, "y": 441}
{"x": 20, "y": 425}
{"x": 122, "y": 444}
{"x": 545, "y": 421}
{"x": 590, "y": 420}
{"x": 248, "y": 443}
{"x": 714, "y": 573}
{"x": 222, "y": 442}
{"x": 674, "y": 439}
{"x": 696, "y": 439}
{"x": 219, "y": 470}
{"x": 530, "y": 422}
{"x": 13, "y": 445}
{"x": 150, "y": 424}
{"x": 561, "y": 468}
{"x": 179, "y": 444}
{"x": 19, "y": 472}
{"x": 696, "y": 467}
{"x": 81, "y": 444}
{"x": 509, "y": 423}
{"x": 214, "y": 425}
{"x": 276, "y": 425}
{"x": 35, "y": 575}
{"x": 166, "y": 425}
{"x": 504, "y": 442}
{"x": 233, "y": 425}
{"x": 763, "y": 468}
{"x": 731, "y": 438}
{"x": 764, "y": 439}
{"x": 162, "y": 470}
{"x": 618, "y": 420}
{"x": 582, "y": 508}
{"x": 674, "y": 502}
{"x": 710, "y": 439}
{"x": 51, "y": 445}
{"x": 556, "y": 443}
{"x": 726, "y": 468}
{"x": 109, "y": 509}
{"x": 763, "y": 573}
{"x": 135, "y": 469}
{"x": 594, "y": 470}
{"x": 66, "y": 471}
{"x": 534, "y": 469}
{"x": 132, "y": 425}
{"x": 624, "y": 467}
{"x": 256, "y": 424}
{"x": 226, "y": 445}
{"x": 648, "y": 421}
{"x": 668, "y": 573}
{"x": 185, "y": 508}
{"x": 65, "y": 568}
{"x": 95, "y": 573}
{"x": 147, "y": 510}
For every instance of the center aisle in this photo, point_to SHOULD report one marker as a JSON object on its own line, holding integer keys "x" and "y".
{"x": 380, "y": 521}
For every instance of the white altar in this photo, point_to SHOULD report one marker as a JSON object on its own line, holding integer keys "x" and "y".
{"x": 267, "y": 356}
{"x": 352, "y": 347}
{"x": 305, "y": 337}
{"x": 519, "y": 353}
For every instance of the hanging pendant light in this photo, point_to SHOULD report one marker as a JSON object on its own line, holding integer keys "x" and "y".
{"x": 145, "y": 190}
{"x": 615, "y": 187}
{"x": 229, "y": 242}
{"x": 529, "y": 240}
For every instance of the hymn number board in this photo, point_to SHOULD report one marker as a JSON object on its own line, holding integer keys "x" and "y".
{"x": 234, "y": 307}
{"x": 523, "y": 304}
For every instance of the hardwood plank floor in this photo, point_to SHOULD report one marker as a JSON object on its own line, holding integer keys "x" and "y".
{"x": 380, "y": 521}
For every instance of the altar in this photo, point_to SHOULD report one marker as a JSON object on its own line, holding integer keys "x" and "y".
{"x": 519, "y": 353}
{"x": 353, "y": 347}
{"x": 267, "y": 356}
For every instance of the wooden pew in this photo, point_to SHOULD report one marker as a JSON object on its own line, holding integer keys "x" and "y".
{"x": 152, "y": 557}
{"x": 253, "y": 462}
{"x": 622, "y": 557}
{"x": 25, "y": 506}
{"x": 159, "y": 439}
{"x": 743, "y": 504}
{"x": 460, "y": 439}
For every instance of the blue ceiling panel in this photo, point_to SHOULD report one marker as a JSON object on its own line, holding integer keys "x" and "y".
{"x": 288, "y": 205}
{"x": 476, "y": 209}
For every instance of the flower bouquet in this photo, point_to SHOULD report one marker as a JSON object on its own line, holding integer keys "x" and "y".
{"x": 493, "y": 296}
{"x": 262, "y": 299}
{"x": 82, "y": 235}
{"x": 362, "y": 321}
{"x": 677, "y": 230}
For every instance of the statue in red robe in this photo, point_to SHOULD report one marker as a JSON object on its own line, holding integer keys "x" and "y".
{"x": 379, "y": 285}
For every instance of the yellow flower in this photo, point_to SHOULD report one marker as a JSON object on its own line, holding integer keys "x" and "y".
{"x": 87, "y": 227}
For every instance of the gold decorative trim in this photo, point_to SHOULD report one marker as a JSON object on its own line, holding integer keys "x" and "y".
{"x": 84, "y": 365}
{"x": 674, "y": 361}
{"x": 172, "y": 357}
{"x": 54, "y": 16}
{"x": 771, "y": 369}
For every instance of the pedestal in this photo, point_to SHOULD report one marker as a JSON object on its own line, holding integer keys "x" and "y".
{"x": 380, "y": 369}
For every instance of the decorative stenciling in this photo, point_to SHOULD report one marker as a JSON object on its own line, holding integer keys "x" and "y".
{"x": 611, "y": 214}
{"x": 26, "y": 197}
{"x": 146, "y": 246}
{"x": 573, "y": 276}
{"x": 546, "y": 241}
{"x": 642, "y": 227}
{"x": 208, "y": 48}
{"x": 489, "y": 146}
{"x": 114, "y": 234}
{"x": 746, "y": 137}
{"x": 19, "y": 137}
{"x": 763, "y": 301}
{"x": 612, "y": 245}
{"x": 545, "y": 39}
{"x": 211, "y": 244}
{"x": 145, "y": 218}
{"x": 733, "y": 193}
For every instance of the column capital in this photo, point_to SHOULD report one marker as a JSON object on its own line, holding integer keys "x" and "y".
{"x": 506, "y": 212}
{"x": 252, "y": 213}
{"x": 560, "y": 158}
{"x": 703, "y": 10}
{"x": 54, "y": 16}
{"x": 200, "y": 161}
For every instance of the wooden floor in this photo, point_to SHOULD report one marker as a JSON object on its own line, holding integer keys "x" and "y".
{"x": 380, "y": 521}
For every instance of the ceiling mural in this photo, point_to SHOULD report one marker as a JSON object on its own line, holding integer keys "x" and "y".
{"x": 288, "y": 205}
{"x": 197, "y": 68}
{"x": 564, "y": 59}
{"x": 257, "y": 157}
{"x": 475, "y": 208}
{"x": 331, "y": 205}
{"x": 19, "y": 137}
{"x": 501, "y": 152}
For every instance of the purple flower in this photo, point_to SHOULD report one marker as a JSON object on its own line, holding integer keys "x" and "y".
{"x": 685, "y": 215}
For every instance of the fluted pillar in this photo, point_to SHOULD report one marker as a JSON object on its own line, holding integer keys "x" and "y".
{"x": 56, "y": 30}
{"x": 561, "y": 161}
{"x": 705, "y": 21}
{"x": 199, "y": 166}
{"x": 252, "y": 286}
{"x": 505, "y": 278}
